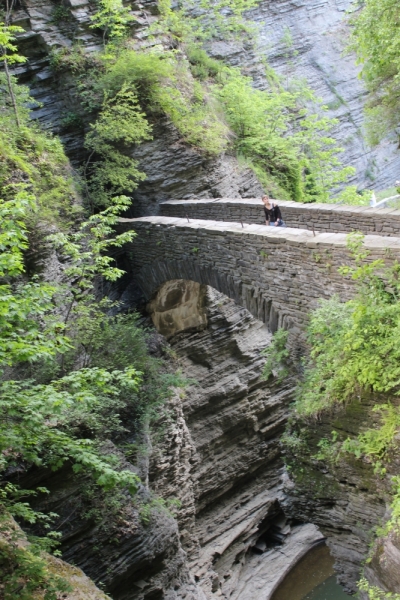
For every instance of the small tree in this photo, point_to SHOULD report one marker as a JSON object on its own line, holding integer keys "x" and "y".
{"x": 10, "y": 56}
{"x": 113, "y": 18}
{"x": 120, "y": 123}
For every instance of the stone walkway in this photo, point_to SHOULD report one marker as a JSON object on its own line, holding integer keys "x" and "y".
{"x": 278, "y": 274}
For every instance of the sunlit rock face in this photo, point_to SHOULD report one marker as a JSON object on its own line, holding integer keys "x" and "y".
{"x": 179, "y": 305}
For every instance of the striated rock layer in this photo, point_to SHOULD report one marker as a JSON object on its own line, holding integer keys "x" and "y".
{"x": 344, "y": 497}
{"x": 173, "y": 168}
{"x": 301, "y": 39}
{"x": 221, "y": 456}
{"x": 307, "y": 40}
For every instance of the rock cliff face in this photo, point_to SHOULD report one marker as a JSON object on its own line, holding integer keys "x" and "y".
{"x": 221, "y": 456}
{"x": 173, "y": 169}
{"x": 345, "y": 498}
{"x": 319, "y": 34}
{"x": 215, "y": 449}
{"x": 220, "y": 452}
{"x": 307, "y": 40}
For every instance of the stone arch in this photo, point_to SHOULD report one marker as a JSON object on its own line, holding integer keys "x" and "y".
{"x": 152, "y": 277}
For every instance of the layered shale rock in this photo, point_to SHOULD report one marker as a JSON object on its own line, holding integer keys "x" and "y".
{"x": 307, "y": 39}
{"x": 107, "y": 536}
{"x": 344, "y": 496}
{"x": 13, "y": 540}
{"x": 173, "y": 168}
{"x": 216, "y": 449}
{"x": 221, "y": 455}
{"x": 302, "y": 39}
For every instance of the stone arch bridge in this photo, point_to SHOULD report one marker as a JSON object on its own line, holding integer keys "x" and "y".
{"x": 278, "y": 274}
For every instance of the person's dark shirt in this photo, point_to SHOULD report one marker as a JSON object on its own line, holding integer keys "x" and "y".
{"x": 273, "y": 214}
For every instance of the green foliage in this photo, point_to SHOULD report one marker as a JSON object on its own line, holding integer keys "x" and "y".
{"x": 213, "y": 106}
{"x": 351, "y": 195}
{"x": 10, "y": 56}
{"x": 286, "y": 143}
{"x": 355, "y": 351}
{"x": 71, "y": 376}
{"x": 376, "y": 443}
{"x": 87, "y": 248}
{"x": 328, "y": 449}
{"x": 376, "y": 40}
{"x": 355, "y": 345}
{"x": 260, "y": 121}
{"x": 72, "y": 58}
{"x": 82, "y": 377}
{"x": 113, "y": 18}
{"x": 70, "y": 119}
{"x": 277, "y": 356}
{"x": 283, "y": 142}
{"x": 156, "y": 505}
{"x": 67, "y": 415}
{"x": 37, "y": 420}
{"x": 60, "y": 14}
{"x": 322, "y": 386}
{"x": 36, "y": 159}
{"x": 28, "y": 330}
{"x": 120, "y": 123}
{"x": 163, "y": 84}
{"x": 375, "y": 593}
{"x": 293, "y": 441}
{"x": 198, "y": 21}
{"x": 44, "y": 423}
{"x": 24, "y": 572}
{"x": 9, "y": 50}
{"x": 354, "y": 354}
{"x": 203, "y": 66}
{"x": 323, "y": 169}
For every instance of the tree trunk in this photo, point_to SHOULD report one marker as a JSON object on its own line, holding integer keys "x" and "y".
{"x": 10, "y": 89}
{"x": 7, "y": 19}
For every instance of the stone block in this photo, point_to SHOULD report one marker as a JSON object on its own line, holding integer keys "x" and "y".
{"x": 77, "y": 3}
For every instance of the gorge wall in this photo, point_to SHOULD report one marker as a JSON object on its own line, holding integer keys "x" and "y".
{"x": 319, "y": 35}
{"x": 218, "y": 451}
{"x": 230, "y": 481}
{"x": 279, "y": 275}
{"x": 317, "y": 53}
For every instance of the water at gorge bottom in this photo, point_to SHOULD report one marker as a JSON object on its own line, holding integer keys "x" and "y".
{"x": 312, "y": 578}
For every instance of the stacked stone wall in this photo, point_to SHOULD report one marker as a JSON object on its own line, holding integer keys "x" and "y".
{"x": 320, "y": 217}
{"x": 277, "y": 274}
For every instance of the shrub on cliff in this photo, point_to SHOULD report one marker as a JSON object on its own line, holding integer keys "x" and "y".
{"x": 281, "y": 133}
{"x": 376, "y": 40}
{"x": 355, "y": 346}
{"x": 61, "y": 395}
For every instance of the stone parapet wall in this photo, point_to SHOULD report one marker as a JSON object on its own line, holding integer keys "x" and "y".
{"x": 277, "y": 274}
{"x": 331, "y": 218}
